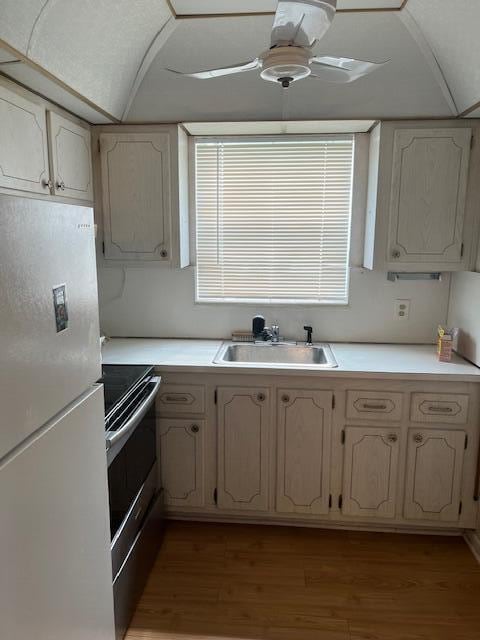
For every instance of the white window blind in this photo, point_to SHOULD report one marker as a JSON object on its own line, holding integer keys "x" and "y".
{"x": 273, "y": 220}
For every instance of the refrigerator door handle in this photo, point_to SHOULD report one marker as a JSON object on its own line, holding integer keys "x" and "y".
{"x": 136, "y": 417}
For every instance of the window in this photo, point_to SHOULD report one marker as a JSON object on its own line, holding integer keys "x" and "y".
{"x": 273, "y": 219}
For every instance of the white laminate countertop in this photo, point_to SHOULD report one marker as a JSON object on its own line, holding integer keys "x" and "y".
{"x": 354, "y": 360}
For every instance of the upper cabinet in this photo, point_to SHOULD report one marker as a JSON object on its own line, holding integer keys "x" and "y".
{"x": 71, "y": 155}
{"x": 417, "y": 213}
{"x": 23, "y": 144}
{"x": 34, "y": 158}
{"x": 145, "y": 194}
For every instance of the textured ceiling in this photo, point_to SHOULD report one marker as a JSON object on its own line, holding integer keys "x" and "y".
{"x": 405, "y": 87}
{"x": 115, "y": 52}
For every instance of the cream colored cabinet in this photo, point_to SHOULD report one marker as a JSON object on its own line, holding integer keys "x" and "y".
{"x": 71, "y": 158}
{"x": 429, "y": 184}
{"x": 434, "y": 474}
{"x": 23, "y": 143}
{"x": 243, "y": 418}
{"x": 304, "y": 419}
{"x": 419, "y": 214}
{"x": 370, "y": 471}
{"x": 182, "y": 449}
{"x": 144, "y": 194}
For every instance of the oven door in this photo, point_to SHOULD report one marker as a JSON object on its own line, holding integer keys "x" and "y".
{"x": 132, "y": 474}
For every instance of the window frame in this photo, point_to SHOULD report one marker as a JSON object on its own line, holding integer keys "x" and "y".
{"x": 357, "y": 213}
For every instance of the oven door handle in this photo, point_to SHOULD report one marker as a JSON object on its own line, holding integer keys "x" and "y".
{"x": 137, "y": 416}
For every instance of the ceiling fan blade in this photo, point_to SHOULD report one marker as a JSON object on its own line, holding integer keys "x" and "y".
{"x": 302, "y": 22}
{"x": 224, "y": 71}
{"x": 342, "y": 69}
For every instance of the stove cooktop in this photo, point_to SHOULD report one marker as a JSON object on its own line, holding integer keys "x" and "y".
{"x": 119, "y": 379}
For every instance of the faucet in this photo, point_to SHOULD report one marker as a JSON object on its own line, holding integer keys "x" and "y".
{"x": 275, "y": 330}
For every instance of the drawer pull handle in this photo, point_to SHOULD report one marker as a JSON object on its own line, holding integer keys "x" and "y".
{"x": 392, "y": 437}
{"x": 377, "y": 407}
{"x": 440, "y": 409}
{"x": 418, "y": 437}
{"x": 176, "y": 399}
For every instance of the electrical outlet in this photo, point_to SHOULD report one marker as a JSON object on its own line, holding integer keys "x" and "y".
{"x": 402, "y": 309}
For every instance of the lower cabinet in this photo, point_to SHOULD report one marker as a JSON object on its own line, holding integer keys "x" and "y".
{"x": 434, "y": 474}
{"x": 304, "y": 419}
{"x": 281, "y": 450}
{"x": 370, "y": 472}
{"x": 243, "y": 425}
{"x": 181, "y": 444}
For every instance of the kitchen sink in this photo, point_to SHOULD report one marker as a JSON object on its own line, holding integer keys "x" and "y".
{"x": 294, "y": 355}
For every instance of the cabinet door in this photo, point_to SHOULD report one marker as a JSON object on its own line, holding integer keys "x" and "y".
{"x": 136, "y": 193}
{"x": 304, "y": 419}
{"x": 429, "y": 182}
{"x": 71, "y": 156}
{"x": 181, "y": 445}
{"x": 243, "y": 422}
{"x": 434, "y": 474}
{"x": 23, "y": 144}
{"x": 370, "y": 472}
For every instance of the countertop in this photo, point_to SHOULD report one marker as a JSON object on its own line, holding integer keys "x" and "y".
{"x": 361, "y": 360}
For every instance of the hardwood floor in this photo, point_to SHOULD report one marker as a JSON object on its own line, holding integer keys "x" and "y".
{"x": 220, "y": 582}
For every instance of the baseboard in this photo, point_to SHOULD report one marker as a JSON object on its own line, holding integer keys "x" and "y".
{"x": 226, "y": 519}
{"x": 472, "y": 538}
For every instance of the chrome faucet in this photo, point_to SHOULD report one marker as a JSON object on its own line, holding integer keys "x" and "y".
{"x": 275, "y": 333}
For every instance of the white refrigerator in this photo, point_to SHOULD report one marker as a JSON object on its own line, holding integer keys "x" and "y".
{"x": 55, "y": 578}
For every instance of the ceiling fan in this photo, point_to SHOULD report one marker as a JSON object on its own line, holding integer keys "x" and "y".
{"x": 297, "y": 27}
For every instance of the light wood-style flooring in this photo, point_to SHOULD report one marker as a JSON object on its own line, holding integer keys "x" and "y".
{"x": 219, "y": 581}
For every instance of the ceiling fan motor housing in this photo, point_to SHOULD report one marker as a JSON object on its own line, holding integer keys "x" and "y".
{"x": 282, "y": 64}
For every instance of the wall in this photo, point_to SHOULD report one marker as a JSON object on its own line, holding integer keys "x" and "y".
{"x": 154, "y": 302}
{"x": 159, "y": 301}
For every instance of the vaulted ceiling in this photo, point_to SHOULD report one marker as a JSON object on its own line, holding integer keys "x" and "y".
{"x": 108, "y": 59}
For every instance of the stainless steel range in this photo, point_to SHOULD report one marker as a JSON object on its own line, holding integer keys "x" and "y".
{"x": 134, "y": 492}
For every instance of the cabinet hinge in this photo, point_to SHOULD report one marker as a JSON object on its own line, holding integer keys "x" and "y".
{"x": 342, "y": 437}
{"x": 466, "y": 441}
{"x": 462, "y": 250}
{"x": 460, "y": 507}
{"x": 330, "y": 501}
{"x": 333, "y": 401}
{"x": 215, "y": 399}
{"x": 215, "y": 495}
{"x": 340, "y": 501}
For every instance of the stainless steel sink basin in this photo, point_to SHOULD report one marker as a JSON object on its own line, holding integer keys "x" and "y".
{"x": 290, "y": 355}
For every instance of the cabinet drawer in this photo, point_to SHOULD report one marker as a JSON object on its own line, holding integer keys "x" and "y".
{"x": 374, "y": 405}
{"x": 439, "y": 407}
{"x": 174, "y": 398}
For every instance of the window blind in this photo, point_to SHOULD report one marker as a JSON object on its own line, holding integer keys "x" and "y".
{"x": 273, "y": 220}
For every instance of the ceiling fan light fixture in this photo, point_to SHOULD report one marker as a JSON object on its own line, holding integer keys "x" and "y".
{"x": 282, "y": 63}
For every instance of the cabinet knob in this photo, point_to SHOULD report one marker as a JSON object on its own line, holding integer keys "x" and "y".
{"x": 60, "y": 186}
{"x": 392, "y": 437}
{"x": 194, "y": 428}
{"x": 164, "y": 253}
{"x": 418, "y": 437}
{"x": 261, "y": 397}
{"x": 396, "y": 254}
{"x": 47, "y": 184}
{"x": 285, "y": 398}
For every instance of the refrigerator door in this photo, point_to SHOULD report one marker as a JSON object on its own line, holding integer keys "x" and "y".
{"x": 56, "y": 579}
{"x": 47, "y": 265}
